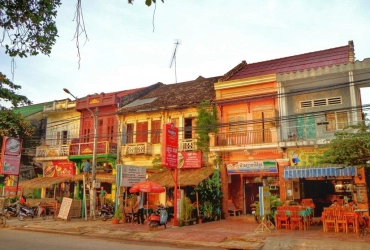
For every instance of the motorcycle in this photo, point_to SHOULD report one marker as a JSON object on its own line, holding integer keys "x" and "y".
{"x": 106, "y": 212}
{"x": 37, "y": 210}
{"x": 11, "y": 210}
{"x": 158, "y": 218}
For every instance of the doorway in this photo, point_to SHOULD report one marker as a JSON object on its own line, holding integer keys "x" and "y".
{"x": 251, "y": 195}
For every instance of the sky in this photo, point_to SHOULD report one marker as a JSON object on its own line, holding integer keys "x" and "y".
{"x": 123, "y": 52}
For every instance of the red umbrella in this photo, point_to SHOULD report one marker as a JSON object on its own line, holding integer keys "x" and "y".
{"x": 147, "y": 187}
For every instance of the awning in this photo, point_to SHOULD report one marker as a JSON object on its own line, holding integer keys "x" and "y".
{"x": 187, "y": 177}
{"x": 108, "y": 178}
{"x": 291, "y": 172}
{"x": 43, "y": 182}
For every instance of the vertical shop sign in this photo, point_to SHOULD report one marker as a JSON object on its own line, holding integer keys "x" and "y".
{"x": 11, "y": 155}
{"x": 170, "y": 145}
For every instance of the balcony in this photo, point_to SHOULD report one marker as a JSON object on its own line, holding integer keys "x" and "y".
{"x": 141, "y": 148}
{"x": 52, "y": 151}
{"x": 86, "y": 148}
{"x": 244, "y": 138}
{"x": 186, "y": 145}
{"x": 59, "y": 106}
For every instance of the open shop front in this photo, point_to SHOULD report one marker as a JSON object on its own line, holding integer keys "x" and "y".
{"x": 325, "y": 184}
{"x": 245, "y": 178}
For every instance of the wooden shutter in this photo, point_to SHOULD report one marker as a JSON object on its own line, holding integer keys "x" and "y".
{"x": 155, "y": 133}
{"x": 142, "y": 132}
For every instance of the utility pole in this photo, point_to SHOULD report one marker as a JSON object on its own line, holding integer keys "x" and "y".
{"x": 93, "y": 169}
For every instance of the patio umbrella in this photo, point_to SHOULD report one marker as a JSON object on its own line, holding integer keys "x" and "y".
{"x": 147, "y": 187}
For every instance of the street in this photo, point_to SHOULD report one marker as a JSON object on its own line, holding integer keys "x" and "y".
{"x": 18, "y": 239}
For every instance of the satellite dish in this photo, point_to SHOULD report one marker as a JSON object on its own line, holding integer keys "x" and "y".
{"x": 173, "y": 59}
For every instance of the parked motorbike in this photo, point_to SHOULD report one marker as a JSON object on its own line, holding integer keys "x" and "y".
{"x": 106, "y": 212}
{"x": 11, "y": 210}
{"x": 158, "y": 218}
{"x": 26, "y": 212}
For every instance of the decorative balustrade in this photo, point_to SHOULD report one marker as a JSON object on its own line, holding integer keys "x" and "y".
{"x": 243, "y": 138}
{"x": 52, "y": 151}
{"x": 142, "y": 148}
{"x": 86, "y": 148}
{"x": 187, "y": 145}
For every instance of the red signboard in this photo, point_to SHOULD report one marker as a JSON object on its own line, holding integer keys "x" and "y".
{"x": 11, "y": 155}
{"x": 59, "y": 169}
{"x": 190, "y": 160}
{"x": 10, "y": 191}
{"x": 170, "y": 145}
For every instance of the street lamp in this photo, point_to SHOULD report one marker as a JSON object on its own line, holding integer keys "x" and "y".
{"x": 93, "y": 169}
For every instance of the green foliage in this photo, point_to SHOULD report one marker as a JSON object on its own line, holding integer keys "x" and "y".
{"x": 207, "y": 209}
{"x": 206, "y": 123}
{"x": 8, "y": 93}
{"x": 157, "y": 163}
{"x": 118, "y": 214}
{"x": 14, "y": 125}
{"x": 186, "y": 209}
{"x": 349, "y": 148}
{"x": 29, "y": 26}
{"x": 209, "y": 190}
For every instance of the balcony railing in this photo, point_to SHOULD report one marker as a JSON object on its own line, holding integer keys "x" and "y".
{"x": 187, "y": 145}
{"x": 86, "y": 148}
{"x": 243, "y": 138}
{"x": 141, "y": 148}
{"x": 52, "y": 151}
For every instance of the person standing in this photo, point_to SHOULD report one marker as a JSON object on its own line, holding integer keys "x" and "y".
{"x": 102, "y": 195}
{"x": 86, "y": 167}
{"x": 140, "y": 205}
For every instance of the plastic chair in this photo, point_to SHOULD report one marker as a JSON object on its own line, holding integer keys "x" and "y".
{"x": 329, "y": 220}
{"x": 282, "y": 220}
{"x": 296, "y": 219}
{"x": 352, "y": 221}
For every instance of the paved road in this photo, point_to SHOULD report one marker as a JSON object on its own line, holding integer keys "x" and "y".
{"x": 17, "y": 239}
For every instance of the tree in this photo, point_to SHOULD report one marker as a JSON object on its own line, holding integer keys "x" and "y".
{"x": 349, "y": 148}
{"x": 206, "y": 123}
{"x": 14, "y": 125}
{"x": 8, "y": 93}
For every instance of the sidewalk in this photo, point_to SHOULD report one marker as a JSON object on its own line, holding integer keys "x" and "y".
{"x": 229, "y": 233}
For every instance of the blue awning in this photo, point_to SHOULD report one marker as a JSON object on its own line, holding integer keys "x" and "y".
{"x": 291, "y": 172}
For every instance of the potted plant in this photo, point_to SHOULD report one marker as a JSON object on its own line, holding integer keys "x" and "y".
{"x": 117, "y": 216}
{"x": 187, "y": 210}
{"x": 207, "y": 210}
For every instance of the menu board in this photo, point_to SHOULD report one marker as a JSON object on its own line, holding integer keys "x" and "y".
{"x": 361, "y": 194}
{"x": 64, "y": 208}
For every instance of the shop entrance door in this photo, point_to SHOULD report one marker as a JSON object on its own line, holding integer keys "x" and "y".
{"x": 251, "y": 195}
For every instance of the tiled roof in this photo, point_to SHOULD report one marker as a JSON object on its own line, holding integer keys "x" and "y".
{"x": 322, "y": 58}
{"x": 174, "y": 96}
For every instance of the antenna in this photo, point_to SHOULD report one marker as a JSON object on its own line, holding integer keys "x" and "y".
{"x": 173, "y": 59}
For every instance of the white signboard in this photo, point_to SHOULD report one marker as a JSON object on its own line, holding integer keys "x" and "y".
{"x": 132, "y": 175}
{"x": 64, "y": 208}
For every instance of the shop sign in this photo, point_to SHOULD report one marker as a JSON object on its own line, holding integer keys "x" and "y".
{"x": 305, "y": 156}
{"x": 132, "y": 175}
{"x": 59, "y": 169}
{"x": 265, "y": 205}
{"x": 252, "y": 167}
{"x": 361, "y": 193}
{"x": 10, "y": 191}
{"x": 170, "y": 145}
{"x": 190, "y": 160}
{"x": 11, "y": 156}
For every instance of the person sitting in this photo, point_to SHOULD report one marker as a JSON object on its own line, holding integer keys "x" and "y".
{"x": 351, "y": 205}
{"x": 86, "y": 167}
{"x": 335, "y": 204}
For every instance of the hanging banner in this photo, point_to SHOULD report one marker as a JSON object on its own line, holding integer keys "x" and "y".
{"x": 264, "y": 194}
{"x": 170, "y": 145}
{"x": 11, "y": 156}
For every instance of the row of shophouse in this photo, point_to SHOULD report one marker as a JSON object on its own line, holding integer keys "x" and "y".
{"x": 273, "y": 117}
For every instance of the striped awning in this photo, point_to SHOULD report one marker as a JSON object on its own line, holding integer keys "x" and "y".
{"x": 291, "y": 172}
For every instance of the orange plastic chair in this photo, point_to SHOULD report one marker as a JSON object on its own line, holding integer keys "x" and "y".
{"x": 341, "y": 221}
{"x": 282, "y": 220}
{"x": 329, "y": 220}
{"x": 295, "y": 219}
{"x": 352, "y": 221}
